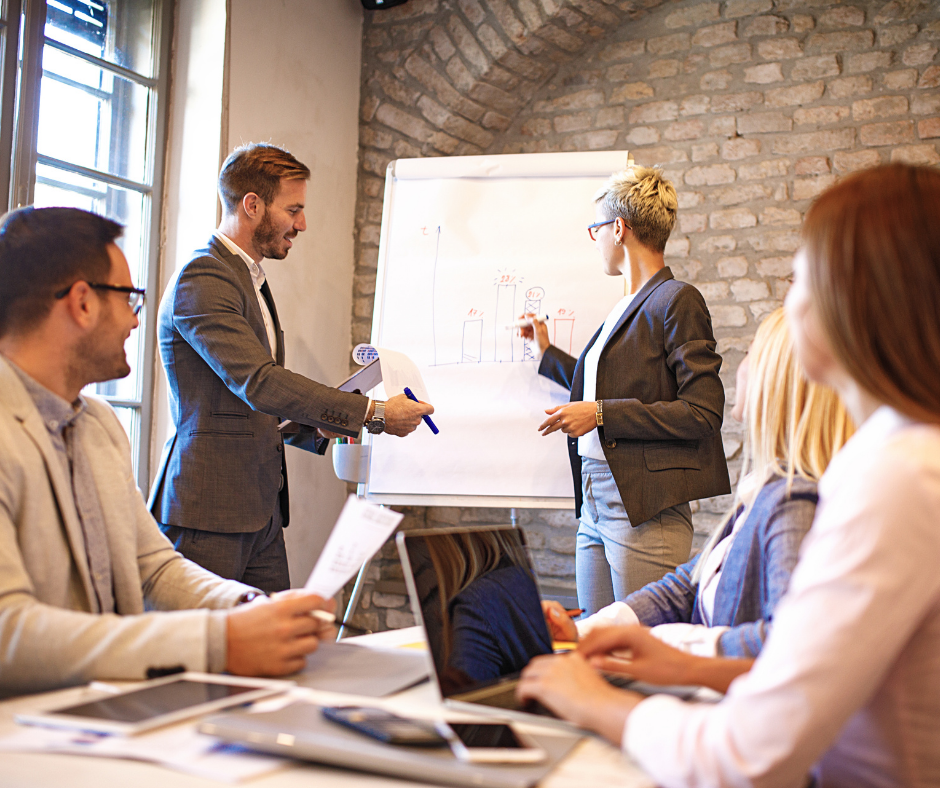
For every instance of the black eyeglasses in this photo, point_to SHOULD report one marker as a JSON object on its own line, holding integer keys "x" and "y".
{"x": 135, "y": 295}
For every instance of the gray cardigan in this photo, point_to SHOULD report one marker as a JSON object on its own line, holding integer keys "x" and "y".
{"x": 755, "y": 572}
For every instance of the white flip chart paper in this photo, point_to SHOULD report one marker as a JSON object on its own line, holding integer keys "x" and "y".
{"x": 468, "y": 245}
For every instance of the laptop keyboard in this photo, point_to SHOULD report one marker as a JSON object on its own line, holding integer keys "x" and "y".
{"x": 503, "y": 696}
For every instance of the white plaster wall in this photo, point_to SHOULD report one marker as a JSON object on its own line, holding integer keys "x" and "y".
{"x": 192, "y": 162}
{"x": 294, "y": 81}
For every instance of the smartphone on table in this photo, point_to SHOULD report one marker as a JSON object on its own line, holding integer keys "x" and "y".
{"x": 385, "y": 726}
{"x": 474, "y": 742}
{"x": 490, "y": 742}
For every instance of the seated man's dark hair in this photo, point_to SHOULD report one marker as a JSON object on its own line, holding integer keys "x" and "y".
{"x": 42, "y": 251}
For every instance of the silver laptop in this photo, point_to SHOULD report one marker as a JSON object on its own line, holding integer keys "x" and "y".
{"x": 474, "y": 592}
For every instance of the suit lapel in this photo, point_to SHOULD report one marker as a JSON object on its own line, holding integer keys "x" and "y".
{"x": 237, "y": 264}
{"x": 16, "y": 398}
{"x": 663, "y": 275}
{"x": 577, "y": 386}
{"x": 269, "y": 299}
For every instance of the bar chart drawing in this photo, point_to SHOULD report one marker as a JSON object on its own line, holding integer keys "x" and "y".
{"x": 563, "y": 330}
{"x": 490, "y": 336}
{"x": 505, "y": 315}
{"x": 533, "y": 306}
{"x": 472, "y": 344}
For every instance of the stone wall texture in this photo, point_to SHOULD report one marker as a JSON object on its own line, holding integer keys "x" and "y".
{"x": 752, "y": 107}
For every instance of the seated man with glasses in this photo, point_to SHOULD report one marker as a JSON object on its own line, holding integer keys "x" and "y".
{"x": 82, "y": 562}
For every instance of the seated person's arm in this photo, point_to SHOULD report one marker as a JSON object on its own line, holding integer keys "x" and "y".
{"x": 570, "y": 685}
{"x": 667, "y": 601}
{"x": 637, "y": 652}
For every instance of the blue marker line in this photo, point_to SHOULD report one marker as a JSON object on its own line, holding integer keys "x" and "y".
{"x": 427, "y": 419}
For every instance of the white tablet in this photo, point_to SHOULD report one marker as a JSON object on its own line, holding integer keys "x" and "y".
{"x": 155, "y": 703}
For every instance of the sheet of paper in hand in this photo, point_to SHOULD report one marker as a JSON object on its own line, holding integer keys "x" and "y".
{"x": 359, "y": 533}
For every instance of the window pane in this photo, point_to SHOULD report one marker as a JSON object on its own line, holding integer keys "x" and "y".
{"x": 91, "y": 117}
{"x": 120, "y": 33}
{"x": 55, "y": 187}
{"x": 130, "y": 420}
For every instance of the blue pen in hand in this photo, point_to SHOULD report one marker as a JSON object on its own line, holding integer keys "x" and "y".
{"x": 427, "y": 419}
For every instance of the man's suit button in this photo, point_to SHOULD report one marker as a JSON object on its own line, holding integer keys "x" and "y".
{"x": 611, "y": 444}
{"x": 280, "y": 447}
{"x": 345, "y": 422}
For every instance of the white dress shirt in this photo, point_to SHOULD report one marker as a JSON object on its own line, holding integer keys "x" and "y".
{"x": 590, "y": 445}
{"x": 848, "y": 682}
{"x": 257, "y": 279}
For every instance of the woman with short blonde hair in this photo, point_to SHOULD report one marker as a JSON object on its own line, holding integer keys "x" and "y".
{"x": 644, "y": 420}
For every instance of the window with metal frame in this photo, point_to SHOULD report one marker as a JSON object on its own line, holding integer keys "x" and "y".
{"x": 82, "y": 124}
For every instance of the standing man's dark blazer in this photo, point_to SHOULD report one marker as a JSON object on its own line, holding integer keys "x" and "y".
{"x": 663, "y": 400}
{"x": 223, "y": 468}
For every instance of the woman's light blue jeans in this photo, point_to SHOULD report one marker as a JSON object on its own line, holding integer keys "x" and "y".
{"x": 614, "y": 559}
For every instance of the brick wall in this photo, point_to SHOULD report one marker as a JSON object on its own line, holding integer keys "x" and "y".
{"x": 752, "y": 106}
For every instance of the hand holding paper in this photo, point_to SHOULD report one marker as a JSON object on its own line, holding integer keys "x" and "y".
{"x": 362, "y": 528}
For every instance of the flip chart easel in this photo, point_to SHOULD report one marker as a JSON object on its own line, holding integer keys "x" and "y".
{"x": 467, "y": 245}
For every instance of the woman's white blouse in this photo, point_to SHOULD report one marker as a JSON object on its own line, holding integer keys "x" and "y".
{"x": 848, "y": 682}
{"x": 590, "y": 445}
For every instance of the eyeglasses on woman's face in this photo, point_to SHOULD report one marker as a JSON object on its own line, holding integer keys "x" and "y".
{"x": 135, "y": 295}
{"x": 593, "y": 227}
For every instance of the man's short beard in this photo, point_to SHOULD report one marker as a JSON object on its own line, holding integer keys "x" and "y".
{"x": 91, "y": 364}
{"x": 265, "y": 238}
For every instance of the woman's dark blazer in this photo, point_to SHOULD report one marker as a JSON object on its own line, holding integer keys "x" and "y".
{"x": 663, "y": 400}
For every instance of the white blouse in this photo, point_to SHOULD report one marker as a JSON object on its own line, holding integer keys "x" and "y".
{"x": 848, "y": 682}
{"x": 590, "y": 445}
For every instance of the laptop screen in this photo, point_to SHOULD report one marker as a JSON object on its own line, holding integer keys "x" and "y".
{"x": 479, "y": 602}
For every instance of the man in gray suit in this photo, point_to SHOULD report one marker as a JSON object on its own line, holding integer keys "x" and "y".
{"x": 81, "y": 559}
{"x": 220, "y": 494}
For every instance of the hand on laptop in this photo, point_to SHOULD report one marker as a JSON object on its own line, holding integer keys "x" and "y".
{"x": 560, "y": 625}
{"x": 655, "y": 662}
{"x": 272, "y": 636}
{"x": 571, "y": 688}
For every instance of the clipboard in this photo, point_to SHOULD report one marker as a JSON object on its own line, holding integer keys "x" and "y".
{"x": 362, "y": 380}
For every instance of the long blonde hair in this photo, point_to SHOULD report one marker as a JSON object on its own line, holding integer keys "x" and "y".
{"x": 794, "y": 426}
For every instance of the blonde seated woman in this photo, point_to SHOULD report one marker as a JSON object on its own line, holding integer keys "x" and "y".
{"x": 722, "y": 601}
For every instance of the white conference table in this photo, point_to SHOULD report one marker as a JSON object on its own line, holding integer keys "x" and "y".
{"x": 593, "y": 762}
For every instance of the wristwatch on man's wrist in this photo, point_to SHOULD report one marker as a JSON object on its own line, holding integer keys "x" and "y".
{"x": 249, "y": 596}
{"x": 599, "y": 415}
{"x": 376, "y": 423}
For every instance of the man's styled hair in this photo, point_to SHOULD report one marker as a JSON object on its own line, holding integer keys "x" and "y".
{"x": 42, "y": 251}
{"x": 257, "y": 168}
{"x": 873, "y": 246}
{"x": 645, "y": 200}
